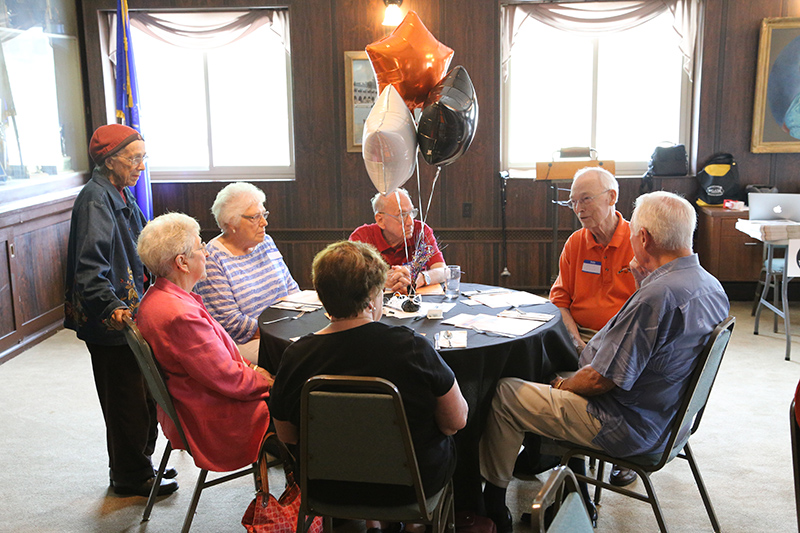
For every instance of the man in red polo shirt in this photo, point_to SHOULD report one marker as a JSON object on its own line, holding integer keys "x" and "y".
{"x": 397, "y": 235}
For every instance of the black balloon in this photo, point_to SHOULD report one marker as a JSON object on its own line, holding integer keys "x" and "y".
{"x": 449, "y": 119}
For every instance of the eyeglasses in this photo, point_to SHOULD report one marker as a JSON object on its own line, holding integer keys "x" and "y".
{"x": 203, "y": 247}
{"x": 135, "y": 161}
{"x": 402, "y": 216}
{"x": 586, "y": 200}
{"x": 258, "y": 216}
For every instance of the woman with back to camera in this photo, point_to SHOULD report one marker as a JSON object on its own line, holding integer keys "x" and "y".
{"x": 349, "y": 279}
{"x": 219, "y": 396}
{"x": 246, "y": 272}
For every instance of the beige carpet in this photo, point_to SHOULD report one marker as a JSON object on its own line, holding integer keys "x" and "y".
{"x": 53, "y": 473}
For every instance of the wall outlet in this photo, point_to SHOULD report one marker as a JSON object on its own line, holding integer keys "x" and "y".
{"x": 466, "y": 210}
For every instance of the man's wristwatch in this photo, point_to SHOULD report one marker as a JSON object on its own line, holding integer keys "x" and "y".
{"x": 427, "y": 277}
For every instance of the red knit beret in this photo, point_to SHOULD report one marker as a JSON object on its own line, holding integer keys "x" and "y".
{"x": 110, "y": 139}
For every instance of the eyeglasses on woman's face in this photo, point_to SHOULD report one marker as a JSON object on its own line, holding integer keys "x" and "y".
{"x": 134, "y": 161}
{"x": 255, "y": 219}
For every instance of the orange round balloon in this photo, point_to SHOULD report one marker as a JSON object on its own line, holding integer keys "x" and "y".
{"x": 411, "y": 59}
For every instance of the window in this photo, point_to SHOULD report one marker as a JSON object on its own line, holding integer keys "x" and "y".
{"x": 620, "y": 93}
{"x": 231, "y": 103}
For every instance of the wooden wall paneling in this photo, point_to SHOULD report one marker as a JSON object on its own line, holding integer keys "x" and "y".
{"x": 474, "y": 35}
{"x": 476, "y": 259}
{"x": 7, "y": 304}
{"x": 42, "y": 255}
{"x": 315, "y": 196}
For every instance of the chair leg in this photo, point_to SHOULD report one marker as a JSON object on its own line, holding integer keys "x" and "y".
{"x": 151, "y": 500}
{"x": 687, "y": 450}
{"x": 653, "y": 499}
{"x": 201, "y": 482}
{"x": 785, "y": 303}
{"x": 763, "y": 297}
{"x": 598, "y": 488}
{"x": 776, "y": 294}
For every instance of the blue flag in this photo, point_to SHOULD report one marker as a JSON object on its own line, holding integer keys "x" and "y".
{"x": 128, "y": 101}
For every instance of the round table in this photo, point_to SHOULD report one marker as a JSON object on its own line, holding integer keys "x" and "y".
{"x": 487, "y": 358}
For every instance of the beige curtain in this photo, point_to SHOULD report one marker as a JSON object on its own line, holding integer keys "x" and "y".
{"x": 601, "y": 17}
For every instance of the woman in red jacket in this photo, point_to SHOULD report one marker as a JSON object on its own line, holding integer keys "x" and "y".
{"x": 219, "y": 396}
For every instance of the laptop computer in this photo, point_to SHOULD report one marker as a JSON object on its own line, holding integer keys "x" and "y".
{"x": 774, "y": 206}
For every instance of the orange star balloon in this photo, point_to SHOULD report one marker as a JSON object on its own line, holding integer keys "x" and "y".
{"x": 411, "y": 59}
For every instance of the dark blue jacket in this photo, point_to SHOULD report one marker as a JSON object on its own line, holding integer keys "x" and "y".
{"x": 104, "y": 271}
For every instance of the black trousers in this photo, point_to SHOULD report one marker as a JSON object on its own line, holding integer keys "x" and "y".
{"x": 129, "y": 412}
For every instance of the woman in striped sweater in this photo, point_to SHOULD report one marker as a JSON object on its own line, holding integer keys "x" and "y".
{"x": 246, "y": 272}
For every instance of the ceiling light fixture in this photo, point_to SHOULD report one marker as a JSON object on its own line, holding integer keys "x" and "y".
{"x": 393, "y": 15}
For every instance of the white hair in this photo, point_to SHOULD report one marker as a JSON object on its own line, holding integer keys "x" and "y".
{"x": 164, "y": 238}
{"x": 607, "y": 179}
{"x": 669, "y": 218}
{"x": 379, "y": 200}
{"x": 233, "y": 200}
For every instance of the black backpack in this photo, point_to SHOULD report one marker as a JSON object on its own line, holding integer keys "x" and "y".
{"x": 718, "y": 180}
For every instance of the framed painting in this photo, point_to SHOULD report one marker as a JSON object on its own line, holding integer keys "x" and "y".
{"x": 361, "y": 90}
{"x": 776, "y": 112}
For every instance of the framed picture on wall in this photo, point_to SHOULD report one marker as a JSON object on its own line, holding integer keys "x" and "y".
{"x": 361, "y": 91}
{"x": 776, "y": 114}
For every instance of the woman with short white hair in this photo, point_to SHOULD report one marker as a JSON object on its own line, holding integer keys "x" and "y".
{"x": 246, "y": 272}
{"x": 220, "y": 397}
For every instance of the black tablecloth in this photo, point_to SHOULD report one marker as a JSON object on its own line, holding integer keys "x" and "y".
{"x": 478, "y": 368}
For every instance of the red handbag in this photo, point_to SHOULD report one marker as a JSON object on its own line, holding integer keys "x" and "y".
{"x": 266, "y": 514}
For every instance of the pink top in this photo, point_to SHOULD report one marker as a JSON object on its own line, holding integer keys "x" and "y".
{"x": 220, "y": 401}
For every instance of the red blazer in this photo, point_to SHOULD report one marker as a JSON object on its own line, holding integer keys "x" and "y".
{"x": 220, "y": 401}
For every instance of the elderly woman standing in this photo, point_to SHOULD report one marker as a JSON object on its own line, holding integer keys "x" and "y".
{"x": 349, "y": 279}
{"x": 246, "y": 272}
{"x": 220, "y": 398}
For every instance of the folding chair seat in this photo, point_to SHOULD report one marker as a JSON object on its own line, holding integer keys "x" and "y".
{"x": 158, "y": 389}
{"x": 685, "y": 423}
{"x": 354, "y": 430}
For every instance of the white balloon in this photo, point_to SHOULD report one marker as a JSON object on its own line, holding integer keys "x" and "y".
{"x": 389, "y": 143}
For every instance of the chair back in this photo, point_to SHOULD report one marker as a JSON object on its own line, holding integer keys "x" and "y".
{"x": 152, "y": 375}
{"x": 795, "y": 433}
{"x": 354, "y": 429}
{"x": 687, "y": 418}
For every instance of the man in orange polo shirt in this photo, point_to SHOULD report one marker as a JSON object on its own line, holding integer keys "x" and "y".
{"x": 592, "y": 284}
{"x": 593, "y": 278}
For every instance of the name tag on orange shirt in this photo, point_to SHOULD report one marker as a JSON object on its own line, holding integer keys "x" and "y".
{"x": 591, "y": 267}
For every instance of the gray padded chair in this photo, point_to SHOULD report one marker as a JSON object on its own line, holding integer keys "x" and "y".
{"x": 354, "y": 429}
{"x": 560, "y": 492}
{"x": 158, "y": 389}
{"x": 685, "y": 423}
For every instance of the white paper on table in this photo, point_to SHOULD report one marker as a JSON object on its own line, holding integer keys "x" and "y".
{"x": 493, "y": 324}
{"x": 508, "y": 299}
{"x": 422, "y": 312}
{"x": 307, "y": 297}
{"x": 470, "y": 302}
{"x": 495, "y": 290}
{"x": 516, "y": 313}
{"x": 450, "y": 339}
{"x": 294, "y": 306}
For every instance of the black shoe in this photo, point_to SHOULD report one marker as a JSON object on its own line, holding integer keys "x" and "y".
{"x": 143, "y": 489}
{"x": 621, "y": 476}
{"x": 503, "y": 520}
{"x": 169, "y": 473}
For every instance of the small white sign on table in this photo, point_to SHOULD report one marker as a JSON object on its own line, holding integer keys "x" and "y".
{"x": 793, "y": 258}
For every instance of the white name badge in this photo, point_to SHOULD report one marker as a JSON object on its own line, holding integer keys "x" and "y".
{"x": 591, "y": 267}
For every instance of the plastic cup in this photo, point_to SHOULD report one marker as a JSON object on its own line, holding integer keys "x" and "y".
{"x": 452, "y": 283}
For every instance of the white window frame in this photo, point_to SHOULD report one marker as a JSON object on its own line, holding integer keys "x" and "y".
{"x": 214, "y": 173}
{"x": 623, "y": 168}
